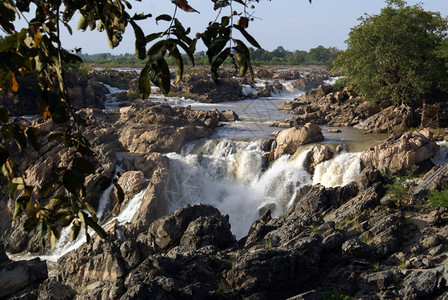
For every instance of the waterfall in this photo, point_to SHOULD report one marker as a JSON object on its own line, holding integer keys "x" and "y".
{"x": 339, "y": 171}
{"x": 232, "y": 176}
{"x": 441, "y": 157}
{"x": 63, "y": 245}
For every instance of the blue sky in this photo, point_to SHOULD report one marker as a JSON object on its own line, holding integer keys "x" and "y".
{"x": 293, "y": 24}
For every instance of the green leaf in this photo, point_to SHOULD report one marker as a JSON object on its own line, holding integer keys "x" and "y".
{"x": 178, "y": 63}
{"x": 83, "y": 217}
{"x": 19, "y": 137}
{"x": 217, "y": 62}
{"x": 43, "y": 231}
{"x": 54, "y": 235}
{"x": 163, "y": 17}
{"x": 32, "y": 134}
{"x": 84, "y": 165}
{"x": 242, "y": 58}
{"x": 98, "y": 229}
{"x": 141, "y": 16}
{"x": 225, "y": 20}
{"x": 20, "y": 205}
{"x": 60, "y": 113}
{"x": 160, "y": 75}
{"x": 4, "y": 154}
{"x": 31, "y": 222}
{"x": 17, "y": 183}
{"x": 89, "y": 208}
{"x": 156, "y": 48}
{"x": 48, "y": 186}
{"x": 7, "y": 131}
{"x": 8, "y": 169}
{"x": 190, "y": 49}
{"x": 140, "y": 41}
{"x": 70, "y": 57}
{"x": 75, "y": 206}
{"x": 247, "y": 36}
{"x": 73, "y": 181}
{"x": 18, "y": 209}
{"x": 151, "y": 37}
{"x": 144, "y": 85}
{"x": 57, "y": 202}
{"x": 4, "y": 115}
{"x": 180, "y": 31}
{"x": 74, "y": 231}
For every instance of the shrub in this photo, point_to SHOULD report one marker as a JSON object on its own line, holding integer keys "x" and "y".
{"x": 339, "y": 85}
{"x": 439, "y": 199}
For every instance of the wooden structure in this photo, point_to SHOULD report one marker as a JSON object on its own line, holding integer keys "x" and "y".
{"x": 434, "y": 115}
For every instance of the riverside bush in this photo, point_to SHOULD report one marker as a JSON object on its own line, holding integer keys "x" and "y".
{"x": 399, "y": 190}
{"x": 339, "y": 85}
{"x": 439, "y": 198}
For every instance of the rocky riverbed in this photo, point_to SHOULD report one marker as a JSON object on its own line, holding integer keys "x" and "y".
{"x": 355, "y": 240}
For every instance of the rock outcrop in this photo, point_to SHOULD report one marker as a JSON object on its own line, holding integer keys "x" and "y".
{"x": 161, "y": 128}
{"x": 17, "y": 276}
{"x": 400, "y": 152}
{"x": 346, "y": 108}
{"x": 388, "y": 119}
{"x": 289, "y": 140}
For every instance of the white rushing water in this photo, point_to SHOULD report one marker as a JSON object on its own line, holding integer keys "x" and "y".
{"x": 232, "y": 176}
{"x": 63, "y": 245}
{"x": 441, "y": 157}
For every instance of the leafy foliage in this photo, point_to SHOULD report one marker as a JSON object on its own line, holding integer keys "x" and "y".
{"x": 37, "y": 49}
{"x": 399, "y": 190}
{"x": 439, "y": 199}
{"x": 395, "y": 55}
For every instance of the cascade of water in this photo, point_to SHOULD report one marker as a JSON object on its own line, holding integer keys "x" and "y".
{"x": 131, "y": 208}
{"x": 339, "y": 171}
{"x": 63, "y": 245}
{"x": 441, "y": 157}
{"x": 230, "y": 175}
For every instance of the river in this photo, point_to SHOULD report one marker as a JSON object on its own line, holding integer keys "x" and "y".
{"x": 230, "y": 170}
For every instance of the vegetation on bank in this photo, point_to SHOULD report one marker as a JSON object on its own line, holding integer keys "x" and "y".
{"x": 279, "y": 56}
{"x": 399, "y": 55}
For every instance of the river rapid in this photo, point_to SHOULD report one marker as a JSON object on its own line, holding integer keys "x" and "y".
{"x": 230, "y": 170}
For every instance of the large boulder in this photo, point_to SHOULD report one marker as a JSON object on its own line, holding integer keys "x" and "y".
{"x": 132, "y": 182}
{"x": 191, "y": 227}
{"x": 320, "y": 153}
{"x": 97, "y": 265}
{"x": 400, "y": 152}
{"x": 289, "y": 140}
{"x": 18, "y": 275}
{"x": 155, "y": 202}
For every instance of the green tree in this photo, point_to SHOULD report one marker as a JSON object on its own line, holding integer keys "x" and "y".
{"x": 394, "y": 55}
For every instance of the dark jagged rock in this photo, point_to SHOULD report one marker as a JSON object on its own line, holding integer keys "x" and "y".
{"x": 190, "y": 227}
{"x": 16, "y": 276}
{"x": 277, "y": 272}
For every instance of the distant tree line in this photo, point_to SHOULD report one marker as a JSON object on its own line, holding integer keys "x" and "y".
{"x": 279, "y": 56}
